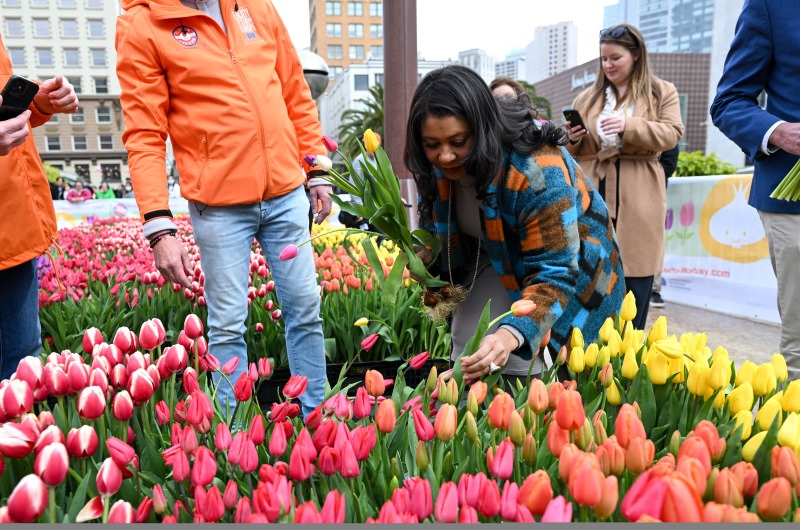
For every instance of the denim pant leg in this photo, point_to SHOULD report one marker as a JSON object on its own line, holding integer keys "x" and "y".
{"x": 20, "y": 329}
{"x": 224, "y": 235}
{"x": 284, "y": 222}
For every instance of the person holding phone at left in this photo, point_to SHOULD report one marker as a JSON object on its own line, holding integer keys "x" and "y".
{"x": 27, "y": 217}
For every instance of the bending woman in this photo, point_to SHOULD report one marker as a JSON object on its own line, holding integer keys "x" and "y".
{"x": 516, "y": 217}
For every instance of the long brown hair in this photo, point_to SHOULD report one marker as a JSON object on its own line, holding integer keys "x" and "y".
{"x": 642, "y": 86}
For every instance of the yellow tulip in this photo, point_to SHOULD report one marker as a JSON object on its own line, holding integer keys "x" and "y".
{"x": 696, "y": 382}
{"x": 628, "y": 310}
{"x": 614, "y": 343}
{"x": 590, "y": 355}
{"x": 719, "y": 401}
{"x": 603, "y": 357}
{"x": 670, "y": 347}
{"x": 658, "y": 331}
{"x": 764, "y": 381}
{"x": 745, "y": 419}
{"x": 789, "y": 433}
{"x": 577, "y": 338}
{"x": 767, "y": 413}
{"x": 629, "y": 366}
{"x": 746, "y": 372}
{"x": 676, "y": 367}
{"x": 605, "y": 330}
{"x": 741, "y": 398}
{"x": 363, "y": 321}
{"x": 719, "y": 375}
{"x": 720, "y": 352}
{"x": 371, "y": 142}
{"x": 779, "y": 363}
{"x": 576, "y": 360}
{"x": 752, "y": 445}
{"x": 791, "y": 397}
{"x": 628, "y": 340}
{"x": 659, "y": 369}
{"x": 612, "y": 394}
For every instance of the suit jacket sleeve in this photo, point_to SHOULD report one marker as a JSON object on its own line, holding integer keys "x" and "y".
{"x": 735, "y": 110}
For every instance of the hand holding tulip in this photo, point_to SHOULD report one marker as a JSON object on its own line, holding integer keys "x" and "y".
{"x": 320, "y": 201}
{"x": 494, "y": 349}
{"x": 173, "y": 261}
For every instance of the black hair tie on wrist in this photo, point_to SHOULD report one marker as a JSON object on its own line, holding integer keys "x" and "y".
{"x": 155, "y": 240}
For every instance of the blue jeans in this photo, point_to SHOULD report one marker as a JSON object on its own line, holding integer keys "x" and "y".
{"x": 224, "y": 235}
{"x": 20, "y": 330}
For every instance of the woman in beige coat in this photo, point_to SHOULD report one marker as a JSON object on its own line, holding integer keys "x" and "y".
{"x": 631, "y": 116}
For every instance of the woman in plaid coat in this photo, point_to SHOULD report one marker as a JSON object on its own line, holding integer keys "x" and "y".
{"x": 516, "y": 216}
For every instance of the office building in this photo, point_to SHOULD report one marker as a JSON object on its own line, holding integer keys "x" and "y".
{"x": 668, "y": 25}
{"x": 346, "y": 32}
{"x": 479, "y": 61}
{"x": 73, "y": 38}
{"x": 513, "y": 66}
{"x": 553, "y": 50}
{"x": 624, "y": 11}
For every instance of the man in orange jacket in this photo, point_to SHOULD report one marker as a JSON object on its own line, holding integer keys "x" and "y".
{"x": 223, "y": 80}
{"x": 27, "y": 217}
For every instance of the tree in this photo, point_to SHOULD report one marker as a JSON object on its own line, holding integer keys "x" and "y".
{"x": 51, "y": 172}
{"x": 540, "y": 103}
{"x": 368, "y": 115}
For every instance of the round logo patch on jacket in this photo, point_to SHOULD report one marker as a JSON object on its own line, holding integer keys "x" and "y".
{"x": 185, "y": 35}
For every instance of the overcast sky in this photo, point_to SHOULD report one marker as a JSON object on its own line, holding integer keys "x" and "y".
{"x": 445, "y": 27}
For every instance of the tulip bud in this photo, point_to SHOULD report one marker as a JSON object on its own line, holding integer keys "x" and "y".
{"x": 774, "y": 499}
{"x": 109, "y": 478}
{"x": 628, "y": 311}
{"x": 91, "y": 403}
{"x": 529, "y": 418}
{"x": 584, "y": 436}
{"x": 576, "y": 360}
{"x": 472, "y": 428}
{"x": 529, "y": 450}
{"x": 330, "y": 144}
{"x": 753, "y": 444}
{"x": 371, "y": 143}
{"x": 159, "y": 500}
{"x": 363, "y": 321}
{"x": 538, "y": 399}
{"x": 522, "y": 307}
{"x": 765, "y": 379}
{"x": 590, "y": 355}
{"x": 422, "y": 457}
{"x": 562, "y": 356}
{"x": 778, "y": 362}
{"x": 122, "y": 406}
{"x": 433, "y": 377}
{"x": 52, "y": 464}
{"x": 576, "y": 339}
{"x": 28, "y": 501}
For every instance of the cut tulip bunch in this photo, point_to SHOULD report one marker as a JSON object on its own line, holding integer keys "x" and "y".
{"x": 789, "y": 187}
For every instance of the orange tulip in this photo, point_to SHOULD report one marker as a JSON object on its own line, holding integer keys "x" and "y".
{"x": 785, "y": 464}
{"x": 724, "y": 513}
{"x": 708, "y": 432}
{"x": 609, "y": 497}
{"x": 663, "y": 495}
{"x": 695, "y": 473}
{"x": 774, "y": 499}
{"x": 536, "y": 492}
{"x": 386, "y": 416}
{"x": 554, "y": 392}
{"x": 520, "y": 308}
{"x": 586, "y": 480}
{"x": 446, "y": 422}
{"x": 537, "y": 396}
{"x": 628, "y": 425}
{"x": 728, "y": 489}
{"x": 749, "y": 476}
{"x": 569, "y": 412}
{"x": 499, "y": 412}
{"x": 611, "y": 456}
{"x": 478, "y": 389}
{"x": 697, "y": 448}
{"x": 565, "y": 460}
{"x": 557, "y": 438}
{"x": 374, "y": 383}
{"x": 640, "y": 455}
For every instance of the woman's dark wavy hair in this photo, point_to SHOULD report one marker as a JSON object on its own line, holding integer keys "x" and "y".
{"x": 497, "y": 125}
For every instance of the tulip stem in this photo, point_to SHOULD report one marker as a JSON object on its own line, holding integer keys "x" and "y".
{"x": 106, "y": 502}
{"x": 359, "y": 231}
{"x": 52, "y": 505}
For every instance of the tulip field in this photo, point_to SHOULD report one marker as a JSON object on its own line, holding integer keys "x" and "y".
{"x": 117, "y": 422}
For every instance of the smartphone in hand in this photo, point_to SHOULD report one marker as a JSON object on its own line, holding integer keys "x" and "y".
{"x": 17, "y": 97}
{"x": 574, "y": 118}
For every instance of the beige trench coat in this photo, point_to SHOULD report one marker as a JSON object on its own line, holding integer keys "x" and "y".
{"x": 636, "y": 197}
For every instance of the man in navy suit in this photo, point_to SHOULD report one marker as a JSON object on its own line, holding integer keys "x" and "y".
{"x": 765, "y": 56}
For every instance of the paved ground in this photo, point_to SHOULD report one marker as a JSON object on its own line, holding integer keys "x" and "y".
{"x": 744, "y": 339}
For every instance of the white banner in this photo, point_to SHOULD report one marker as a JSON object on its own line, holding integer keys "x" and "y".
{"x": 717, "y": 255}
{"x": 70, "y": 214}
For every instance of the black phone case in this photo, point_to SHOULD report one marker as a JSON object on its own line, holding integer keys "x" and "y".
{"x": 574, "y": 117}
{"x": 17, "y": 97}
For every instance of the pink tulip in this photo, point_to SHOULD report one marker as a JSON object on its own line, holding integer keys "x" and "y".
{"x": 31, "y": 371}
{"x": 149, "y": 335}
{"x": 503, "y": 462}
{"x": 230, "y": 366}
{"x": 162, "y": 413}
{"x": 369, "y": 342}
{"x": 446, "y": 510}
{"x": 295, "y": 387}
{"x": 92, "y": 510}
{"x": 142, "y": 514}
{"x": 125, "y": 340}
{"x": 558, "y": 511}
{"x": 687, "y": 214}
{"x": 289, "y": 252}
{"x": 277, "y": 441}
{"x": 205, "y": 467}
{"x": 330, "y": 144}
{"x": 419, "y": 360}
{"x": 122, "y": 406}
{"x": 91, "y": 403}
{"x": 52, "y": 464}
{"x": 28, "y": 501}
{"x": 121, "y": 513}
{"x": 17, "y": 398}
{"x": 334, "y": 508}
{"x": 120, "y": 452}
{"x": 91, "y": 337}
{"x": 82, "y": 442}
{"x": 109, "y": 478}
{"x": 193, "y": 326}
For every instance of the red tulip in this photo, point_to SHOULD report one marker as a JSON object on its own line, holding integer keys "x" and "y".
{"x": 295, "y": 387}
{"x": 142, "y": 514}
{"x": 242, "y": 513}
{"x": 122, "y": 406}
{"x": 256, "y": 431}
{"x": 362, "y": 406}
{"x": 188, "y": 440}
{"x": 51, "y": 434}
{"x": 422, "y": 425}
{"x": 307, "y": 513}
{"x": 28, "y": 501}
{"x": 82, "y": 442}
{"x": 125, "y": 340}
{"x": 31, "y": 371}
{"x": 421, "y": 497}
{"x": 141, "y": 385}
{"x": 214, "y": 507}
{"x": 499, "y": 413}
{"x": 91, "y": 337}
{"x": 468, "y": 515}
{"x": 446, "y": 510}
{"x": 386, "y": 416}
{"x": 330, "y": 144}
{"x": 121, "y": 453}
{"x": 91, "y": 403}
{"x": 109, "y": 478}
{"x": 222, "y": 438}
{"x": 52, "y": 464}
{"x": 334, "y": 508}
{"x": 536, "y": 492}
{"x": 248, "y": 459}
{"x": 363, "y": 439}
{"x": 162, "y": 413}
{"x": 181, "y": 470}
{"x": 419, "y": 360}
{"x": 489, "y": 501}
{"x": 300, "y": 467}
{"x": 329, "y": 461}
{"x": 193, "y": 326}
{"x": 121, "y": 513}
{"x": 369, "y": 342}
{"x": 264, "y": 368}
{"x": 243, "y": 389}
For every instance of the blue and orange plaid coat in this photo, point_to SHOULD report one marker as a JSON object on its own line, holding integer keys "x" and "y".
{"x": 550, "y": 239}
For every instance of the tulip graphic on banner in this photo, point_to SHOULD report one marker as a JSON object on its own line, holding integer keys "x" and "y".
{"x": 686, "y": 219}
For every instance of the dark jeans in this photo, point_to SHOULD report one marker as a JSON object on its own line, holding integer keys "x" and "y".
{"x": 641, "y": 288}
{"x": 20, "y": 330}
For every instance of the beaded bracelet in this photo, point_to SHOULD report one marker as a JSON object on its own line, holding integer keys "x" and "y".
{"x": 159, "y": 237}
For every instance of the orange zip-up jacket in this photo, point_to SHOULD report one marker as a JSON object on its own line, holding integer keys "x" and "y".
{"x": 236, "y": 107}
{"x": 27, "y": 217}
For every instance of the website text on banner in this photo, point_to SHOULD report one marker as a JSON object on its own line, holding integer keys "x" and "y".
{"x": 716, "y": 255}
{"x": 70, "y": 214}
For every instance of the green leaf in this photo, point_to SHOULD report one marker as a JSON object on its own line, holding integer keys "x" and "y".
{"x": 79, "y": 498}
{"x": 472, "y": 344}
{"x": 762, "y": 459}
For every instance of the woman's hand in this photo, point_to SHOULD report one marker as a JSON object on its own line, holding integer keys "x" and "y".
{"x": 574, "y": 133}
{"x": 494, "y": 349}
{"x": 613, "y": 125}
